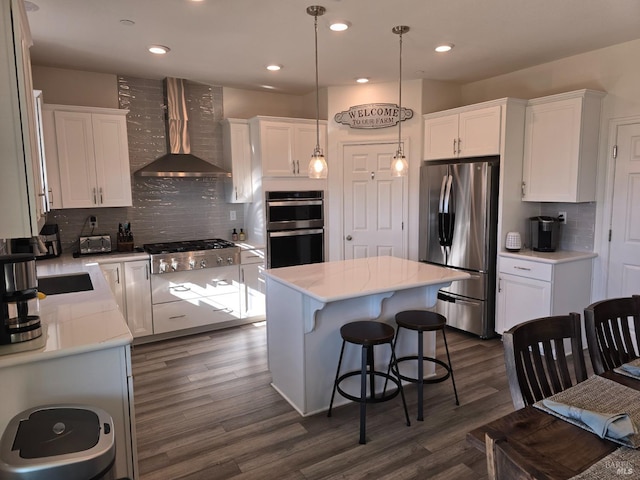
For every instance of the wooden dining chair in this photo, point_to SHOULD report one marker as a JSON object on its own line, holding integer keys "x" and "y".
{"x": 608, "y": 327}
{"x": 536, "y": 359}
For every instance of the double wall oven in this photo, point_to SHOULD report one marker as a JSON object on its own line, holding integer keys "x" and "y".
{"x": 295, "y": 228}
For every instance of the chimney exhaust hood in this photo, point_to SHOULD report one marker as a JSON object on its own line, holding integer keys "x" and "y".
{"x": 178, "y": 162}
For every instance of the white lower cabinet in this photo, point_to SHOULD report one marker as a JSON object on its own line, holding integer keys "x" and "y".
{"x": 252, "y": 264}
{"x": 530, "y": 289}
{"x": 131, "y": 287}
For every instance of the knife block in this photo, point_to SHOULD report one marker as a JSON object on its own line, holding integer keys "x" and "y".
{"x": 125, "y": 244}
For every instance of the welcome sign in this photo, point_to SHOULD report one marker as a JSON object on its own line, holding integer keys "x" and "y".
{"x": 373, "y": 115}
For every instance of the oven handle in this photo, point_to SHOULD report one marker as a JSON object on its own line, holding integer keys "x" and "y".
{"x": 180, "y": 288}
{"x": 295, "y": 233}
{"x": 294, "y": 203}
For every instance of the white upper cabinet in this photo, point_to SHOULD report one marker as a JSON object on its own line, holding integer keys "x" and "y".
{"x": 561, "y": 147}
{"x": 474, "y": 132}
{"x": 20, "y": 189}
{"x": 89, "y": 163}
{"x": 284, "y": 146}
{"x": 236, "y": 148}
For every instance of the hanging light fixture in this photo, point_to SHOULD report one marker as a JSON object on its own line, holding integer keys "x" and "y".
{"x": 317, "y": 165}
{"x": 399, "y": 165}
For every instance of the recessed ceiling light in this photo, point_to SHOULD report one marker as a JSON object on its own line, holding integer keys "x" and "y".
{"x": 445, "y": 47}
{"x": 268, "y": 87}
{"x": 362, "y": 80}
{"x": 274, "y": 67}
{"x": 159, "y": 49}
{"x": 127, "y": 23}
{"x": 340, "y": 26}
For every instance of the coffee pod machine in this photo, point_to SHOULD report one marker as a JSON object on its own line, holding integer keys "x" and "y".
{"x": 545, "y": 233}
{"x": 19, "y": 299}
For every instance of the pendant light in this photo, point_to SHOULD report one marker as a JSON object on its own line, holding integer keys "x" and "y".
{"x": 399, "y": 165}
{"x": 317, "y": 165}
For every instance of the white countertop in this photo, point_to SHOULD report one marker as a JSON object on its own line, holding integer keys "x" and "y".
{"x": 339, "y": 280}
{"x": 559, "y": 256}
{"x": 74, "y": 322}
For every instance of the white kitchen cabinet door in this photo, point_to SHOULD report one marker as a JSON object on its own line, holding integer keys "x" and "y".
{"x": 19, "y": 192}
{"x": 561, "y": 148}
{"x": 521, "y": 299}
{"x": 92, "y": 157}
{"x": 114, "y": 275}
{"x": 439, "y": 136}
{"x": 479, "y": 132}
{"x": 470, "y": 133}
{"x": 138, "y": 297}
{"x": 276, "y": 147}
{"x": 253, "y": 283}
{"x": 236, "y": 149}
{"x": 111, "y": 147}
{"x": 284, "y": 148}
{"x": 131, "y": 287}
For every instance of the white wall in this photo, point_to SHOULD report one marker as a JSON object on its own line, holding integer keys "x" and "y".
{"x": 614, "y": 70}
{"x": 340, "y": 99}
{"x": 238, "y": 103}
{"x": 75, "y": 87}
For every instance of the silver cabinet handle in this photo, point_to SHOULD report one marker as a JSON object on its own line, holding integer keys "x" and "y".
{"x": 459, "y": 143}
{"x": 95, "y": 199}
{"x": 297, "y": 167}
{"x": 349, "y": 238}
{"x": 117, "y": 274}
{"x": 454, "y": 146}
{"x": 522, "y": 268}
{"x": 101, "y": 201}
{"x": 177, "y": 316}
{"x": 293, "y": 167}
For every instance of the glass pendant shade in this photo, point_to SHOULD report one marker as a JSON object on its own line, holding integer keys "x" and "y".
{"x": 318, "y": 165}
{"x": 399, "y": 165}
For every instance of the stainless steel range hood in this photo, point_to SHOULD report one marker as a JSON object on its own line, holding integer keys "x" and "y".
{"x": 179, "y": 162}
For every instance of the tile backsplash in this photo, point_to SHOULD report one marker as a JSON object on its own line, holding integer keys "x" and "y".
{"x": 164, "y": 209}
{"x": 579, "y": 231}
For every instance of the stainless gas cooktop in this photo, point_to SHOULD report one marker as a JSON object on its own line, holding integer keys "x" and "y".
{"x": 186, "y": 255}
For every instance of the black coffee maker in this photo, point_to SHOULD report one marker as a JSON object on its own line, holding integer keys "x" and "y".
{"x": 19, "y": 299}
{"x": 545, "y": 233}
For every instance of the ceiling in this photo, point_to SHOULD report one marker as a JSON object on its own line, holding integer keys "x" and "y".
{"x": 229, "y": 42}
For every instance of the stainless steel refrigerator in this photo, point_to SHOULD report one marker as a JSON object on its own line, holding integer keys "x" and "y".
{"x": 458, "y": 225}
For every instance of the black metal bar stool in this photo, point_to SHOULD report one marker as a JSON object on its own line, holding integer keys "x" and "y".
{"x": 368, "y": 333}
{"x": 424, "y": 321}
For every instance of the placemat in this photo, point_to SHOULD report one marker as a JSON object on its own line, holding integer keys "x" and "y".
{"x": 621, "y": 371}
{"x": 622, "y": 463}
{"x": 600, "y": 395}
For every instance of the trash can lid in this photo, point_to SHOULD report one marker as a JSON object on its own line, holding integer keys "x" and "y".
{"x": 57, "y": 431}
{"x": 55, "y": 442}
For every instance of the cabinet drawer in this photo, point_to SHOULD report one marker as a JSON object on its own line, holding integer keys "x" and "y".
{"x": 526, "y": 268}
{"x": 168, "y": 317}
{"x": 251, "y": 256}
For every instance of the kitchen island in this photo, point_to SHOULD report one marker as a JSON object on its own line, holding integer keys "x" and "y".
{"x": 307, "y": 304}
{"x": 83, "y": 357}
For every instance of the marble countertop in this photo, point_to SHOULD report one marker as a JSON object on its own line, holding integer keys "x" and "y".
{"x": 75, "y": 322}
{"x": 559, "y": 256}
{"x": 339, "y": 280}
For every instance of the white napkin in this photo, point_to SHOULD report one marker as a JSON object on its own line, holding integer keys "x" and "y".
{"x": 612, "y": 425}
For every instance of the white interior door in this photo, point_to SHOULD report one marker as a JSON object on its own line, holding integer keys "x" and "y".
{"x": 373, "y": 199}
{"x": 624, "y": 256}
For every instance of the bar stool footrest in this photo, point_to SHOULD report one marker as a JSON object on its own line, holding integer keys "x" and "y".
{"x": 439, "y": 379}
{"x": 383, "y": 397}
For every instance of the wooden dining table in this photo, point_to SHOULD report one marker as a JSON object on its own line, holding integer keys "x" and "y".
{"x": 532, "y": 444}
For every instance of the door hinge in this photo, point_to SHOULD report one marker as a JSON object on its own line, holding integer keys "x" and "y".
{"x": 609, "y": 234}
{"x": 615, "y": 151}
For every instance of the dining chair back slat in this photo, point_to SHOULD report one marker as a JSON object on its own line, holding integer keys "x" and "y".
{"x": 609, "y": 335}
{"x": 537, "y": 361}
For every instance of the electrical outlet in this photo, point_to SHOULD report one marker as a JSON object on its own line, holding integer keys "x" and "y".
{"x": 563, "y": 217}
{"x": 232, "y": 215}
{"x": 93, "y": 221}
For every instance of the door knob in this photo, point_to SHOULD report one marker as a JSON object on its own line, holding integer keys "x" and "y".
{"x": 349, "y": 238}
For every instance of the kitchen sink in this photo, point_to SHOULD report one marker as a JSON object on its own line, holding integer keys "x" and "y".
{"x": 67, "y": 283}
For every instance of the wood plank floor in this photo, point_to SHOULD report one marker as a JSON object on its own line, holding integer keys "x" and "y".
{"x": 205, "y": 410}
